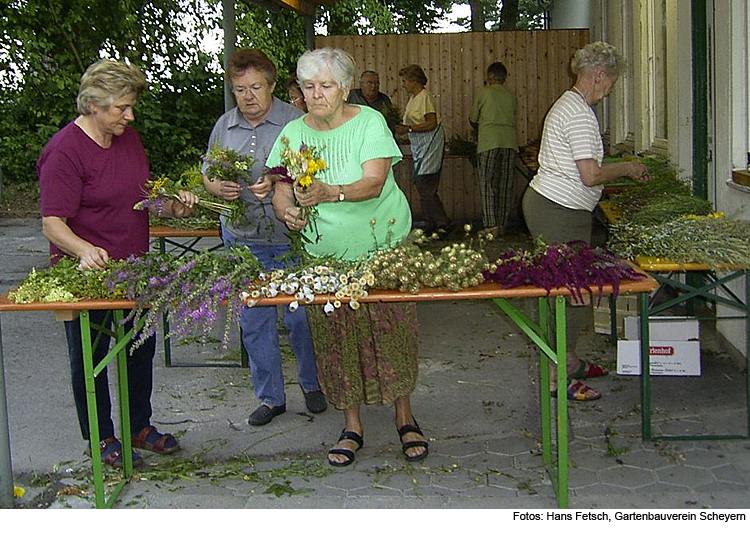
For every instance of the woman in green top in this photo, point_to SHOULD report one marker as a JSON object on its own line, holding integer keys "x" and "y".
{"x": 368, "y": 355}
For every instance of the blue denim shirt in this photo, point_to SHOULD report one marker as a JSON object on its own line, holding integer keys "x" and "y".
{"x": 232, "y": 131}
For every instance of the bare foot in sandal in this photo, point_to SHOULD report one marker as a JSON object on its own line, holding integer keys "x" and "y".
{"x": 342, "y": 454}
{"x": 413, "y": 443}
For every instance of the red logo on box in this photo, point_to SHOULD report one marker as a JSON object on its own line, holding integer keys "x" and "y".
{"x": 661, "y": 351}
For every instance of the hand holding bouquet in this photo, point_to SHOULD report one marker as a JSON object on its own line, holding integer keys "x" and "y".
{"x": 160, "y": 190}
{"x": 299, "y": 170}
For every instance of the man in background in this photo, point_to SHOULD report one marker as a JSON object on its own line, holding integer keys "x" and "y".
{"x": 493, "y": 114}
{"x": 369, "y": 94}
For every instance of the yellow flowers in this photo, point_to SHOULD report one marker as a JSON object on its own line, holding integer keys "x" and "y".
{"x": 302, "y": 167}
{"x": 704, "y": 217}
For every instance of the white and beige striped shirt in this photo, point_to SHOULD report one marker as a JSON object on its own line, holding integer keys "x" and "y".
{"x": 571, "y": 133}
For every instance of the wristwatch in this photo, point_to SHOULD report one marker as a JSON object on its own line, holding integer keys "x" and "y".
{"x": 341, "y": 193}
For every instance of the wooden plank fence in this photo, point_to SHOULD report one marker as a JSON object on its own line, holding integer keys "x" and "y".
{"x": 538, "y": 65}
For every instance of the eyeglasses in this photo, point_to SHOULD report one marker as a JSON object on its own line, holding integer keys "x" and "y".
{"x": 255, "y": 89}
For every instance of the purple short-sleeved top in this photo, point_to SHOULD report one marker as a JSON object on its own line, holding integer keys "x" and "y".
{"x": 95, "y": 189}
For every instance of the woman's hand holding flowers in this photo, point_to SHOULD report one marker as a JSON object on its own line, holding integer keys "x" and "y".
{"x": 316, "y": 192}
{"x": 226, "y": 190}
{"x": 293, "y": 219}
{"x": 183, "y": 206}
{"x": 262, "y": 187}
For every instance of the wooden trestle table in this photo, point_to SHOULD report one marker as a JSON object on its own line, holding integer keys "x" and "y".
{"x": 551, "y": 345}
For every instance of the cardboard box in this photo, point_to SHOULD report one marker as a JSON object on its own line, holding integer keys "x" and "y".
{"x": 666, "y": 328}
{"x": 626, "y": 305}
{"x": 677, "y": 358}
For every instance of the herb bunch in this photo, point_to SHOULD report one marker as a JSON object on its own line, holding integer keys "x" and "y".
{"x": 712, "y": 240}
{"x": 63, "y": 282}
{"x": 160, "y": 190}
{"x": 574, "y": 265}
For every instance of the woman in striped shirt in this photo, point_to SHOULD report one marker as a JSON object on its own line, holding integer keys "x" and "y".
{"x": 558, "y": 204}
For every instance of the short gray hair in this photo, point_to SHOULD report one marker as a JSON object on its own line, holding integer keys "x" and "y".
{"x": 598, "y": 55}
{"x": 340, "y": 64}
{"x": 107, "y": 80}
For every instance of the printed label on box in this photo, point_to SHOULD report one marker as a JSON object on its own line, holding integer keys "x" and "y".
{"x": 667, "y": 358}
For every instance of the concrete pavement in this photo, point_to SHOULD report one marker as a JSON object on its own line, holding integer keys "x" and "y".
{"x": 476, "y": 400}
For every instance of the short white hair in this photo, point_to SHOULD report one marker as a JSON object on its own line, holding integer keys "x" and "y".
{"x": 598, "y": 55}
{"x": 338, "y": 62}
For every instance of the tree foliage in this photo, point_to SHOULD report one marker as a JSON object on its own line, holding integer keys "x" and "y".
{"x": 45, "y": 46}
{"x": 357, "y": 17}
{"x": 507, "y": 14}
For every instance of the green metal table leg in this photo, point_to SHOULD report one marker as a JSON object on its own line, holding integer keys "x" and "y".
{"x": 88, "y": 372}
{"x": 123, "y": 395}
{"x": 539, "y": 334}
{"x": 562, "y": 402}
{"x": 645, "y": 367}
{"x": 118, "y": 352}
{"x": 165, "y": 319}
{"x": 6, "y": 467}
{"x": 545, "y": 396}
{"x": 612, "y": 320}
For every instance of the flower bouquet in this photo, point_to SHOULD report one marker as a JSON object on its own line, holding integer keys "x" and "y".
{"x": 160, "y": 190}
{"x": 299, "y": 170}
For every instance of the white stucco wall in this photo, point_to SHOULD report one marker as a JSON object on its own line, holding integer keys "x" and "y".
{"x": 730, "y": 143}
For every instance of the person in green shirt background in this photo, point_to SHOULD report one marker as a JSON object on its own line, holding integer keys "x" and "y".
{"x": 493, "y": 115}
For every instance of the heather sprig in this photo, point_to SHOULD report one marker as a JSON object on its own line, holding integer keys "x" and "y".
{"x": 191, "y": 290}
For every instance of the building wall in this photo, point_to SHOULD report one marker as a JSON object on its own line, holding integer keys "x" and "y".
{"x": 633, "y": 109}
{"x": 730, "y": 20}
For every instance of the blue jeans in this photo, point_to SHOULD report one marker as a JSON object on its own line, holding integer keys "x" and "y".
{"x": 140, "y": 378}
{"x": 261, "y": 338}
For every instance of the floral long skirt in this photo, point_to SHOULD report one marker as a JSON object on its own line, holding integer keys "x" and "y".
{"x": 368, "y": 355}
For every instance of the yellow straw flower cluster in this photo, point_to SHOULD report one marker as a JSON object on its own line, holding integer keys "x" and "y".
{"x": 409, "y": 267}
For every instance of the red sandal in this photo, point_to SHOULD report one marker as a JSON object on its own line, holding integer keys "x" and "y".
{"x": 578, "y": 391}
{"x": 111, "y": 452}
{"x": 587, "y": 370}
{"x": 152, "y": 440}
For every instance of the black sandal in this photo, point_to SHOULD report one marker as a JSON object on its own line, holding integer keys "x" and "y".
{"x": 406, "y": 446}
{"x": 348, "y": 453}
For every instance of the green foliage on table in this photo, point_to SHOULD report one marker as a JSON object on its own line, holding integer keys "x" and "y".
{"x": 62, "y": 282}
{"x": 713, "y": 241}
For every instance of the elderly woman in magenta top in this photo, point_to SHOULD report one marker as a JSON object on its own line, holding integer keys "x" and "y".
{"x": 558, "y": 204}
{"x": 91, "y": 174}
{"x": 367, "y": 355}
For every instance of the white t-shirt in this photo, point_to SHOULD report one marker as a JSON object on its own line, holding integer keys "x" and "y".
{"x": 571, "y": 132}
